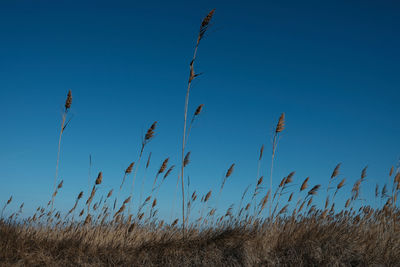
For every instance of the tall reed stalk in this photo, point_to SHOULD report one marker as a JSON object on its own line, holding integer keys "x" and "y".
{"x": 67, "y": 106}
{"x": 149, "y": 135}
{"x": 203, "y": 28}
{"x": 279, "y": 128}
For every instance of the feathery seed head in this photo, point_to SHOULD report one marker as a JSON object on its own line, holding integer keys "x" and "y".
{"x": 281, "y": 124}
{"x": 208, "y": 18}
{"x": 260, "y": 180}
{"x": 397, "y": 178}
{"x": 127, "y": 200}
{"x": 289, "y": 178}
{"x": 314, "y": 190}
{"x": 163, "y": 166}
{"x": 186, "y": 159}
{"x": 150, "y": 132}
{"x": 336, "y": 171}
{"x": 282, "y": 182}
{"x": 88, "y": 219}
{"x": 169, "y": 171}
{"x": 130, "y": 167}
{"x": 261, "y": 152}
{"x": 347, "y": 203}
{"x": 290, "y": 197}
{"x": 198, "y": 110}
{"x": 304, "y": 184}
{"x": 341, "y": 184}
{"x": 141, "y": 215}
{"x": 207, "y": 196}
{"x": 230, "y": 170}
{"x": 68, "y": 102}
{"x": 148, "y": 160}
{"x": 204, "y": 25}
{"x": 99, "y": 178}
{"x": 364, "y": 172}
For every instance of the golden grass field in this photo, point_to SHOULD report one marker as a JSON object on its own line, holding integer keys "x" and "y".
{"x": 279, "y": 226}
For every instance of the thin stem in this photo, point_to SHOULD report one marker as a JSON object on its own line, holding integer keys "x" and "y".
{"x": 134, "y": 176}
{"x": 184, "y": 134}
{"x": 274, "y": 144}
{"x": 58, "y": 155}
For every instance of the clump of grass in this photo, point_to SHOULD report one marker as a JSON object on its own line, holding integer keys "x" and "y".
{"x": 356, "y": 235}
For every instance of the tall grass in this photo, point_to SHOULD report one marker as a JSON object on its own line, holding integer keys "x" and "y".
{"x": 106, "y": 233}
{"x": 192, "y": 75}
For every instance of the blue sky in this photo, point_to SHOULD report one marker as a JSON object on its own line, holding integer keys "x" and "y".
{"x": 331, "y": 66}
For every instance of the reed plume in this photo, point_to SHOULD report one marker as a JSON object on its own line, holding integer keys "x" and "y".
{"x": 7, "y": 203}
{"x": 278, "y": 129}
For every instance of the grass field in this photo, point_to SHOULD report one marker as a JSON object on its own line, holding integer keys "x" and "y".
{"x": 274, "y": 223}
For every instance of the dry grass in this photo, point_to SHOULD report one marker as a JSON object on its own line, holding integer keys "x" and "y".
{"x": 368, "y": 237}
{"x": 106, "y": 234}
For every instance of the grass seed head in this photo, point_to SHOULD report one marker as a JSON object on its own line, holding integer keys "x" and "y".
{"x": 304, "y": 184}
{"x": 198, "y": 110}
{"x": 340, "y": 185}
{"x": 204, "y": 25}
{"x": 364, "y": 173}
{"x": 68, "y": 102}
{"x": 207, "y": 196}
{"x": 186, "y": 160}
{"x": 99, "y": 178}
{"x": 336, "y": 171}
{"x": 127, "y": 200}
{"x": 150, "y": 132}
{"x": 169, "y": 171}
{"x": 230, "y": 170}
{"x": 289, "y": 178}
{"x": 130, "y": 167}
{"x": 148, "y": 160}
{"x": 314, "y": 190}
{"x": 260, "y": 180}
{"x": 261, "y": 152}
{"x": 281, "y": 124}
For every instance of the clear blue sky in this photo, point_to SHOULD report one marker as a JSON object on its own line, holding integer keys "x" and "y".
{"x": 331, "y": 66}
